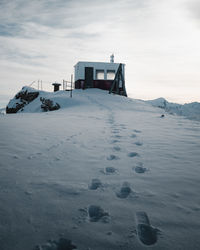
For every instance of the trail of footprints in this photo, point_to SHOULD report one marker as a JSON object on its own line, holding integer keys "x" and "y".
{"x": 146, "y": 233}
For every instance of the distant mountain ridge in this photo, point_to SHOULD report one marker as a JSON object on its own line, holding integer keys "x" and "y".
{"x": 189, "y": 110}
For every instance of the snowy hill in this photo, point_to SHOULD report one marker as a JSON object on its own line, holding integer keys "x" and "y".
{"x": 190, "y": 110}
{"x": 25, "y": 101}
{"x": 104, "y": 172}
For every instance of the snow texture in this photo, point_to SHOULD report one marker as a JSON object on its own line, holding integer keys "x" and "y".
{"x": 104, "y": 172}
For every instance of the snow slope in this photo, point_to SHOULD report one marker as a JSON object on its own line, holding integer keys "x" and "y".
{"x": 189, "y": 110}
{"x": 59, "y": 169}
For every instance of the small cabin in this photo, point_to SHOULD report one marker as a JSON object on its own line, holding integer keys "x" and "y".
{"x": 102, "y": 75}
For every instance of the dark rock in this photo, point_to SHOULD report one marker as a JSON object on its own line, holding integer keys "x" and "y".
{"x": 26, "y": 96}
{"x": 48, "y": 105}
{"x": 14, "y": 110}
{"x": 22, "y": 99}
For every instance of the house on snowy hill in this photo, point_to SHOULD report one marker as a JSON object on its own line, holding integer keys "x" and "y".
{"x": 107, "y": 76}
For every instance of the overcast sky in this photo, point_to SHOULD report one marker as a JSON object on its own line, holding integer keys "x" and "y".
{"x": 158, "y": 40}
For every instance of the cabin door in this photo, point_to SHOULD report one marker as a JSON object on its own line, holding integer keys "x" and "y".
{"x": 89, "y": 77}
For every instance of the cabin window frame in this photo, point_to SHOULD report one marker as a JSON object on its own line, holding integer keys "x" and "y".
{"x": 100, "y": 71}
{"x": 108, "y": 72}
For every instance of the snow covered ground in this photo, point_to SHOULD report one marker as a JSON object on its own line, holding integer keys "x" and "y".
{"x": 88, "y": 171}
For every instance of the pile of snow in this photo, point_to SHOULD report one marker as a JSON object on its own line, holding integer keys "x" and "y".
{"x": 189, "y": 110}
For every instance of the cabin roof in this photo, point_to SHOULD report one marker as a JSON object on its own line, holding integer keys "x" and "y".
{"x": 97, "y": 63}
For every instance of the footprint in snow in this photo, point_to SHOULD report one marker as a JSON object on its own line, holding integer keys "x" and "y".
{"x": 95, "y": 184}
{"x": 96, "y": 213}
{"x": 15, "y": 156}
{"x": 39, "y": 153}
{"x": 112, "y": 157}
{"x": 115, "y": 131}
{"x": 62, "y": 244}
{"x": 125, "y": 191}
{"x": 116, "y": 148}
{"x": 133, "y": 136}
{"x": 118, "y": 136}
{"x": 133, "y": 154}
{"x": 114, "y": 141}
{"x": 109, "y": 170}
{"x": 146, "y": 233}
{"x": 139, "y": 169}
{"x": 56, "y": 159}
{"x": 138, "y": 143}
{"x": 30, "y": 157}
{"x": 137, "y": 131}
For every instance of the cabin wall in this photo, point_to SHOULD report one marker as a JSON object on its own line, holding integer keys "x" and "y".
{"x": 104, "y": 84}
{"x": 79, "y": 68}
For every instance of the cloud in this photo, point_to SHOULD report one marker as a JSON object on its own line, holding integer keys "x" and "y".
{"x": 193, "y": 6}
{"x": 64, "y": 14}
{"x": 10, "y": 29}
{"x": 45, "y": 38}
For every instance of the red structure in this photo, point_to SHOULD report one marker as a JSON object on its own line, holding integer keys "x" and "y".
{"x": 101, "y": 84}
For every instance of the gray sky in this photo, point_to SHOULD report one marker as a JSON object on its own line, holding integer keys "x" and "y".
{"x": 158, "y": 40}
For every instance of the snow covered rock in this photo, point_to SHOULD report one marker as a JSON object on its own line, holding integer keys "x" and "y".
{"x": 27, "y": 100}
{"x": 21, "y": 99}
{"x": 48, "y": 105}
{"x": 159, "y": 102}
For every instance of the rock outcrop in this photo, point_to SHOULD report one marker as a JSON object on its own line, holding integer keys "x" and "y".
{"x": 21, "y": 99}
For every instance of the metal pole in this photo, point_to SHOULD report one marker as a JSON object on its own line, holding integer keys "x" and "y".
{"x": 31, "y": 83}
{"x": 71, "y": 86}
{"x": 63, "y": 84}
{"x": 38, "y": 84}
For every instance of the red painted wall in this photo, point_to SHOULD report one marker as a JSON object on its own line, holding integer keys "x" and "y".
{"x": 100, "y": 84}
